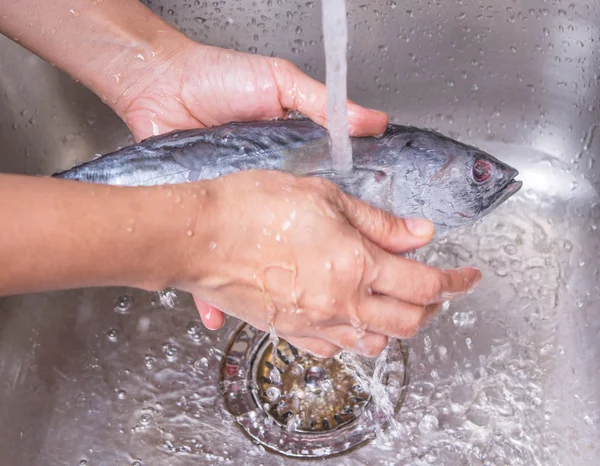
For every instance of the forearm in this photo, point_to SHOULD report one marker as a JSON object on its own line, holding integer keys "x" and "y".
{"x": 107, "y": 45}
{"x": 59, "y": 234}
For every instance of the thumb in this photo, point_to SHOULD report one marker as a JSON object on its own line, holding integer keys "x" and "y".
{"x": 308, "y": 96}
{"x": 389, "y": 232}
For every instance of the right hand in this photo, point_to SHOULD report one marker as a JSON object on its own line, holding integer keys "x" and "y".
{"x": 313, "y": 262}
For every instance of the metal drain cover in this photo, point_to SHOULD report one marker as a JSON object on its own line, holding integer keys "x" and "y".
{"x": 302, "y": 406}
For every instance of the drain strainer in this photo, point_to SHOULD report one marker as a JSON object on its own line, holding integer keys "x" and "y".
{"x": 302, "y": 406}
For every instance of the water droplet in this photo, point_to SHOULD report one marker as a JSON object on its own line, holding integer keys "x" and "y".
{"x": 201, "y": 364}
{"x": 327, "y": 265}
{"x": 170, "y": 351}
{"x": 139, "y": 56}
{"x": 149, "y": 362}
{"x": 112, "y": 334}
{"x": 189, "y": 233}
{"x": 212, "y": 245}
{"x": 121, "y": 394}
{"x": 123, "y": 303}
{"x": 76, "y": 14}
{"x": 428, "y": 423}
{"x": 273, "y": 394}
{"x": 464, "y": 319}
{"x": 562, "y": 12}
{"x": 145, "y": 419}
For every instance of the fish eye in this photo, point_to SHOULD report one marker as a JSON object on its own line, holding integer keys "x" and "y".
{"x": 481, "y": 171}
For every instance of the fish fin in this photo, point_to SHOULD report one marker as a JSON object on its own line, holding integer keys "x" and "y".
{"x": 311, "y": 157}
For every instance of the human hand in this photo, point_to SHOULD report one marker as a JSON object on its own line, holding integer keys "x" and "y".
{"x": 301, "y": 256}
{"x": 199, "y": 86}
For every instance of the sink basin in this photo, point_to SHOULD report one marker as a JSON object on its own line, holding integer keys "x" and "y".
{"x": 507, "y": 375}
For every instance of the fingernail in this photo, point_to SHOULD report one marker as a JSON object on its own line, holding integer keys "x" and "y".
{"x": 471, "y": 270}
{"x": 419, "y": 226}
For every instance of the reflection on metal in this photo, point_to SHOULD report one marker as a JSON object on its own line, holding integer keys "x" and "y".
{"x": 299, "y": 405}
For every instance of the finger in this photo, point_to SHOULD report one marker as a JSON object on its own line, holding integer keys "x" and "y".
{"x": 420, "y": 284}
{"x": 314, "y": 346}
{"x": 211, "y": 317}
{"x": 394, "y": 318}
{"x": 365, "y": 121}
{"x": 389, "y": 232}
{"x": 348, "y": 338}
{"x": 300, "y": 92}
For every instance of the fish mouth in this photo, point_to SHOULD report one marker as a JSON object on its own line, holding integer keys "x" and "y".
{"x": 509, "y": 190}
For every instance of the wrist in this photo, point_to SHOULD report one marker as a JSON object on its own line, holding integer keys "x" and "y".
{"x": 136, "y": 57}
{"x": 176, "y": 224}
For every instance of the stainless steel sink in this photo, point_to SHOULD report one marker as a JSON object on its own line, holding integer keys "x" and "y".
{"x": 508, "y": 375}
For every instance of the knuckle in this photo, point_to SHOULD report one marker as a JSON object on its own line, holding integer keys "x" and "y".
{"x": 430, "y": 290}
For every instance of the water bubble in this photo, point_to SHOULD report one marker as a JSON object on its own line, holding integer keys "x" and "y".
{"x": 145, "y": 419}
{"x": 149, "y": 361}
{"x": 273, "y": 394}
{"x": 201, "y": 364}
{"x": 83, "y": 463}
{"x": 193, "y": 331}
{"x": 121, "y": 394}
{"x": 76, "y": 14}
{"x": 562, "y": 12}
{"x": 123, "y": 303}
{"x": 170, "y": 351}
{"x": 428, "y": 424}
{"x": 464, "y": 319}
{"x": 112, "y": 334}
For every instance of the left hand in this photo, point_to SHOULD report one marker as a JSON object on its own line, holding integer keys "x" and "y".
{"x": 200, "y": 86}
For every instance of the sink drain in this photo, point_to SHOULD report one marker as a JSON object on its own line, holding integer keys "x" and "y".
{"x": 302, "y": 406}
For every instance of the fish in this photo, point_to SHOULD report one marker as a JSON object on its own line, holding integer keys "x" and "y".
{"x": 408, "y": 171}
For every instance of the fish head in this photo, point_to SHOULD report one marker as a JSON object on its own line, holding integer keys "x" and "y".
{"x": 452, "y": 184}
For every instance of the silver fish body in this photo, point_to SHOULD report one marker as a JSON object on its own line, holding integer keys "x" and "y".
{"x": 408, "y": 171}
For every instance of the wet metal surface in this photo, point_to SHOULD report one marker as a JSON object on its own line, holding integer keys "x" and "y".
{"x": 508, "y": 375}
